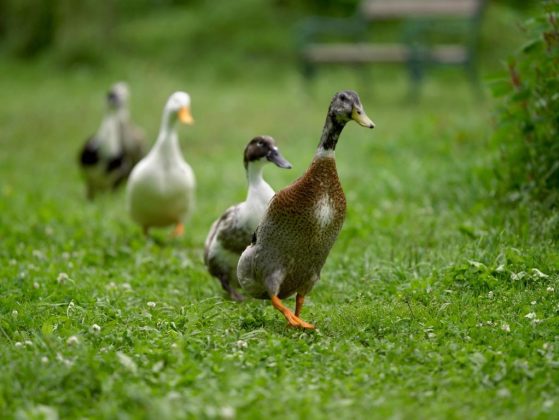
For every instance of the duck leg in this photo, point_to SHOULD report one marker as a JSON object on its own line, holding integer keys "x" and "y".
{"x": 233, "y": 294}
{"x": 293, "y": 320}
{"x": 178, "y": 231}
{"x": 299, "y": 300}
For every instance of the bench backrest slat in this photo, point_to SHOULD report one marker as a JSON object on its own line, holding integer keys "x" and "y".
{"x": 379, "y": 10}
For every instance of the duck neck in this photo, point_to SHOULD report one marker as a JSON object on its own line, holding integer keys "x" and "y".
{"x": 167, "y": 142}
{"x": 258, "y": 189}
{"x": 121, "y": 114}
{"x": 330, "y": 134}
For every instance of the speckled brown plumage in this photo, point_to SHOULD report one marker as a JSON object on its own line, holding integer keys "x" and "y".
{"x": 301, "y": 242}
{"x": 302, "y": 222}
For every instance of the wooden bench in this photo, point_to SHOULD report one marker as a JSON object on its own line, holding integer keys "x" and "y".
{"x": 425, "y": 26}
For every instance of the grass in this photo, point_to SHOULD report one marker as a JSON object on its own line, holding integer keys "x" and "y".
{"x": 435, "y": 301}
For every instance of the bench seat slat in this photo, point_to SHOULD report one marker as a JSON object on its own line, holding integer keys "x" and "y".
{"x": 371, "y": 53}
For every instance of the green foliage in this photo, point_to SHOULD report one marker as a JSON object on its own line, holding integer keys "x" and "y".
{"x": 528, "y": 119}
{"x": 28, "y": 26}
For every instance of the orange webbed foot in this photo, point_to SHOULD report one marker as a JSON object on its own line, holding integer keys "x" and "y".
{"x": 293, "y": 320}
{"x": 178, "y": 231}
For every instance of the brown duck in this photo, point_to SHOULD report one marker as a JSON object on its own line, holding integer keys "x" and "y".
{"x": 302, "y": 222}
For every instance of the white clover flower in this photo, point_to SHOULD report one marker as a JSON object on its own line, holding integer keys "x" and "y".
{"x": 151, "y": 304}
{"x": 72, "y": 340}
{"x": 500, "y": 268}
{"x": 530, "y": 315}
{"x": 44, "y": 360}
{"x": 15, "y": 313}
{"x": 503, "y": 393}
{"x": 127, "y": 362}
{"x": 66, "y": 362}
{"x": 158, "y": 366}
{"x": 28, "y": 343}
{"x": 533, "y": 302}
{"x": 38, "y": 254}
{"x": 241, "y": 344}
{"x": 227, "y": 412}
{"x": 36, "y": 285}
{"x": 95, "y": 329}
{"x": 505, "y": 327}
{"x": 490, "y": 295}
{"x": 550, "y": 289}
{"x": 62, "y": 278}
{"x": 18, "y": 344}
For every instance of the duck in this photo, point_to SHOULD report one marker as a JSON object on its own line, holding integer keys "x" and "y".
{"x": 302, "y": 221}
{"x": 107, "y": 157}
{"x": 232, "y": 232}
{"x": 161, "y": 187}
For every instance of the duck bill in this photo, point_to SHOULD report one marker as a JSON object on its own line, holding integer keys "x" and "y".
{"x": 359, "y": 116}
{"x": 276, "y": 157}
{"x": 185, "y": 116}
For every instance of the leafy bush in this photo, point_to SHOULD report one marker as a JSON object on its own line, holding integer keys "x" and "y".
{"x": 528, "y": 117}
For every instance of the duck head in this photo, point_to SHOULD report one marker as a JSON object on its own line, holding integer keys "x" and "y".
{"x": 346, "y": 106}
{"x": 117, "y": 96}
{"x": 178, "y": 108}
{"x": 263, "y": 149}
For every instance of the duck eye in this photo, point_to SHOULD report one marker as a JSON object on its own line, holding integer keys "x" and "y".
{"x": 343, "y": 97}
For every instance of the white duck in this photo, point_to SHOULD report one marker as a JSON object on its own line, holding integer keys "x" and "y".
{"x": 232, "y": 232}
{"x": 160, "y": 190}
{"x": 108, "y": 156}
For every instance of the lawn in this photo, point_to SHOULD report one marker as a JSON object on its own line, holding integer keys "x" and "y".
{"x": 437, "y": 301}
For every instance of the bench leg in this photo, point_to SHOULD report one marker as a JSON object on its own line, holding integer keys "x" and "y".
{"x": 470, "y": 67}
{"x": 416, "y": 73}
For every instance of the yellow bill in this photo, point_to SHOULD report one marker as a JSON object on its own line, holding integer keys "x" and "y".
{"x": 185, "y": 116}
{"x": 359, "y": 116}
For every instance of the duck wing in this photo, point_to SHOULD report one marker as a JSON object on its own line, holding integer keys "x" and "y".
{"x": 229, "y": 232}
{"x": 89, "y": 154}
{"x": 133, "y": 142}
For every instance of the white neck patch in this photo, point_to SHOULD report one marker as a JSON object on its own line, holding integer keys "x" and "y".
{"x": 324, "y": 153}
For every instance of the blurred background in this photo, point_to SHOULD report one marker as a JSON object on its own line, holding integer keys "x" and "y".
{"x": 196, "y": 34}
{"x": 239, "y": 61}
